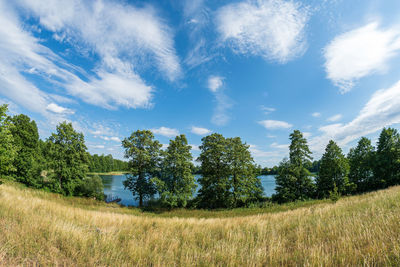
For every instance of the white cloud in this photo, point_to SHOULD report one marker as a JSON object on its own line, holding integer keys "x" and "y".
{"x": 101, "y": 28}
{"x": 307, "y": 134}
{"x": 164, "y": 131}
{"x": 215, "y": 83}
{"x": 382, "y": 110}
{"x": 267, "y": 110}
{"x": 200, "y": 130}
{"x": 195, "y": 147}
{"x": 279, "y": 146}
{"x": 97, "y": 146}
{"x": 53, "y": 107}
{"x": 335, "y": 118}
{"x": 220, "y": 116}
{"x": 112, "y": 138}
{"x": 360, "y": 52}
{"x": 266, "y": 158}
{"x": 273, "y": 29}
{"x": 273, "y": 124}
{"x": 316, "y": 114}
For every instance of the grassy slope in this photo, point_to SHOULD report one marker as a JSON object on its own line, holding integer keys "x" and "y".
{"x": 38, "y": 227}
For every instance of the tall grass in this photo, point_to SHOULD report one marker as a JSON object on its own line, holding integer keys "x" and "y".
{"x": 42, "y": 228}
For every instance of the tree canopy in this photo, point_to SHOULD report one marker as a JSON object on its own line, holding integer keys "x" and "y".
{"x": 144, "y": 156}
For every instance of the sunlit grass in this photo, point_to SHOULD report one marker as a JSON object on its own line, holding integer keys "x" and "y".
{"x": 45, "y": 228}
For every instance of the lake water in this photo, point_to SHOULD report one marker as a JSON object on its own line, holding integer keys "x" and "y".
{"x": 113, "y": 187}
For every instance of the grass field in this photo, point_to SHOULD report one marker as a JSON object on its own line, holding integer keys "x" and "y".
{"x": 43, "y": 228}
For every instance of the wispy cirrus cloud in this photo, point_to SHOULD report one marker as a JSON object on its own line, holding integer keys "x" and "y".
{"x": 98, "y": 29}
{"x": 273, "y": 29}
{"x": 382, "y": 110}
{"x": 215, "y": 85}
{"x": 335, "y": 117}
{"x": 360, "y": 52}
{"x": 316, "y": 114}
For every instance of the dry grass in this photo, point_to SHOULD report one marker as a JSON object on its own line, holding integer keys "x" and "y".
{"x": 42, "y": 228}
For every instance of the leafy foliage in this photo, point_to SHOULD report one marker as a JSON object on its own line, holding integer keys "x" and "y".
{"x": 334, "y": 171}
{"x": 177, "y": 183}
{"x": 26, "y": 138}
{"x": 144, "y": 157}
{"x": 91, "y": 186}
{"x": 387, "y": 159}
{"x": 68, "y": 158}
{"x": 361, "y": 160}
{"x": 229, "y": 173}
{"x": 293, "y": 181}
{"x": 8, "y": 149}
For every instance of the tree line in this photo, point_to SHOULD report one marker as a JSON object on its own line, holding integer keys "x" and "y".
{"x": 59, "y": 164}
{"x": 230, "y": 177}
{"x": 102, "y": 163}
{"x": 364, "y": 169}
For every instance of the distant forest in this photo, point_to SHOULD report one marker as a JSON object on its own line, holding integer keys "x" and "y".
{"x": 102, "y": 163}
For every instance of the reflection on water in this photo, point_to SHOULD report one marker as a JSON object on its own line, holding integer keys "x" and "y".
{"x": 113, "y": 187}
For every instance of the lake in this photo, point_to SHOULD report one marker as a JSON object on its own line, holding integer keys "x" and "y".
{"x": 113, "y": 187}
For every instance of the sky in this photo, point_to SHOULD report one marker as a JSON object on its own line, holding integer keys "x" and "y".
{"x": 253, "y": 69}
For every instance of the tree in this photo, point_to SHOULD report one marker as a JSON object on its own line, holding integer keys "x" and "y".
{"x": 387, "y": 159}
{"x": 91, "y": 186}
{"x": 361, "y": 162}
{"x": 26, "y": 138}
{"x": 177, "y": 183}
{"x": 68, "y": 158}
{"x": 8, "y": 149}
{"x": 246, "y": 186}
{"x": 143, "y": 153}
{"x": 293, "y": 181}
{"x": 215, "y": 169}
{"x": 333, "y": 171}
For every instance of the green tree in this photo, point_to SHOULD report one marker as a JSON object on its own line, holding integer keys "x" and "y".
{"x": 91, "y": 186}
{"x": 177, "y": 183}
{"x": 26, "y": 138}
{"x": 293, "y": 181}
{"x": 387, "y": 159}
{"x": 143, "y": 153}
{"x": 361, "y": 162}
{"x": 68, "y": 158}
{"x": 8, "y": 149}
{"x": 215, "y": 169}
{"x": 333, "y": 172}
{"x": 246, "y": 186}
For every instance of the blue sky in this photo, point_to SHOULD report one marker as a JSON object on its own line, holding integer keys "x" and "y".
{"x": 254, "y": 69}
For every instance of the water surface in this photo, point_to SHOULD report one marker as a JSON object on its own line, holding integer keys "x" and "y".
{"x": 113, "y": 187}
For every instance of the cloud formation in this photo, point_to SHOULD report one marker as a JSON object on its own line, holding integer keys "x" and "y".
{"x": 272, "y": 29}
{"x": 273, "y": 124}
{"x": 165, "y": 131}
{"x": 200, "y": 130}
{"x": 97, "y": 29}
{"x": 335, "y": 118}
{"x": 382, "y": 110}
{"x": 220, "y": 116}
{"x": 360, "y": 52}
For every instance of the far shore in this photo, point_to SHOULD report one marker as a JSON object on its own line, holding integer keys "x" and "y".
{"x": 108, "y": 173}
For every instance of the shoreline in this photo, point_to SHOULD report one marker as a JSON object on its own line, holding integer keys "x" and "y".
{"x": 108, "y": 173}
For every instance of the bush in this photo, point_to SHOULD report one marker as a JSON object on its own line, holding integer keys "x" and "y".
{"x": 334, "y": 195}
{"x": 91, "y": 186}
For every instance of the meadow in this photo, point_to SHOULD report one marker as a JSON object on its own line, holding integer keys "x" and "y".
{"x": 37, "y": 227}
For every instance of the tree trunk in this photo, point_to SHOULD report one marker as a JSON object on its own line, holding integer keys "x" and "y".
{"x": 140, "y": 200}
